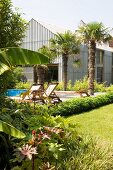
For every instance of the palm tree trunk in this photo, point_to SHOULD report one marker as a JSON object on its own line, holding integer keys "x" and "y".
{"x": 91, "y": 67}
{"x": 35, "y": 74}
{"x": 41, "y": 75}
{"x": 65, "y": 61}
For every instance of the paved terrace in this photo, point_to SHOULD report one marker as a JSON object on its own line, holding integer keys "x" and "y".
{"x": 66, "y": 95}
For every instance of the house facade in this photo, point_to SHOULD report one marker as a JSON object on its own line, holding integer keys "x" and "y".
{"x": 39, "y": 34}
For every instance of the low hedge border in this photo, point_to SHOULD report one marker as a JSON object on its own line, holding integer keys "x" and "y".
{"x": 79, "y": 105}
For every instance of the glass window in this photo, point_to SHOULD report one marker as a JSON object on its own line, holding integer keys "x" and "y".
{"x": 112, "y": 59}
{"x": 99, "y": 57}
{"x": 52, "y": 73}
{"x": 99, "y": 74}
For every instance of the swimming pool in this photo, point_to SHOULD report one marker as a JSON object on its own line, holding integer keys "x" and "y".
{"x": 14, "y": 92}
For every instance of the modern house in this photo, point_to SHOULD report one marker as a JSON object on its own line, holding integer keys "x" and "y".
{"x": 39, "y": 33}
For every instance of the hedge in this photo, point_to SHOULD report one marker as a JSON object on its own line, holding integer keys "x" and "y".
{"x": 79, "y": 105}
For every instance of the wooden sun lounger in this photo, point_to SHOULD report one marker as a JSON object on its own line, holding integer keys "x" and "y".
{"x": 81, "y": 92}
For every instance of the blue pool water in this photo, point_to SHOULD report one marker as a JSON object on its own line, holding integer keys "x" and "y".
{"x": 15, "y": 92}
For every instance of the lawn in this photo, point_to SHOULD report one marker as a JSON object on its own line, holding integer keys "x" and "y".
{"x": 98, "y": 122}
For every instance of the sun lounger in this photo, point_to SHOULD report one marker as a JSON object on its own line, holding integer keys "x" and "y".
{"x": 32, "y": 92}
{"x": 37, "y": 94}
{"x": 49, "y": 95}
{"x": 81, "y": 92}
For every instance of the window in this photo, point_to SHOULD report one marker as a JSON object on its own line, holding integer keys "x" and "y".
{"x": 99, "y": 74}
{"x": 112, "y": 70}
{"x": 99, "y": 65}
{"x": 99, "y": 57}
{"x": 52, "y": 73}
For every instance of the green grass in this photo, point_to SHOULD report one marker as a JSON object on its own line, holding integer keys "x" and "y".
{"x": 98, "y": 122}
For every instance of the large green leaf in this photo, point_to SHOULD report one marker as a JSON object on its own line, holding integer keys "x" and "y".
{"x": 13, "y": 56}
{"x": 11, "y": 130}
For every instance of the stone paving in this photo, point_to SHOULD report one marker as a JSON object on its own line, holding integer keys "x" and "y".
{"x": 66, "y": 95}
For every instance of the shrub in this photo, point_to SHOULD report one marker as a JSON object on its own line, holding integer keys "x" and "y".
{"x": 69, "y": 85}
{"x": 60, "y": 86}
{"x": 81, "y": 84}
{"x": 79, "y": 105}
{"x": 100, "y": 87}
{"x": 110, "y": 88}
{"x": 22, "y": 85}
{"x": 7, "y": 80}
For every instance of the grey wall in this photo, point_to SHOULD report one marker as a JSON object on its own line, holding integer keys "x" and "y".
{"x": 76, "y": 73}
{"x": 36, "y": 36}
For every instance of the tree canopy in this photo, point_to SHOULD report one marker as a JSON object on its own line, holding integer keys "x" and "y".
{"x": 12, "y": 26}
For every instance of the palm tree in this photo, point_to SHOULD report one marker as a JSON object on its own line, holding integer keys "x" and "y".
{"x": 66, "y": 45}
{"x": 91, "y": 34}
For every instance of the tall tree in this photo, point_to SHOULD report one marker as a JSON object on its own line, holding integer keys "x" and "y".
{"x": 12, "y": 26}
{"x": 65, "y": 44}
{"x": 91, "y": 34}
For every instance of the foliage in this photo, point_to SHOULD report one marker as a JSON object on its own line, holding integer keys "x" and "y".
{"x": 69, "y": 85}
{"x": 9, "y": 79}
{"x": 13, "y": 56}
{"x": 18, "y": 73}
{"x": 7, "y": 107}
{"x": 22, "y": 85}
{"x": 93, "y": 31}
{"x": 12, "y": 26}
{"x": 79, "y": 105}
{"x": 81, "y": 84}
{"x": 110, "y": 88}
{"x": 65, "y": 149}
{"x": 10, "y": 130}
{"x": 61, "y": 84}
{"x": 48, "y": 52}
{"x": 59, "y": 146}
{"x": 100, "y": 87}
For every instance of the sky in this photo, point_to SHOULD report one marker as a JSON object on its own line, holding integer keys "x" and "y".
{"x": 67, "y": 13}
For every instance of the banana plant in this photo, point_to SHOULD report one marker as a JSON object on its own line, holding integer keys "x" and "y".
{"x": 10, "y": 130}
{"x": 13, "y": 56}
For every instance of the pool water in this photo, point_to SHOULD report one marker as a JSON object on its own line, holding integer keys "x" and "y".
{"x": 15, "y": 92}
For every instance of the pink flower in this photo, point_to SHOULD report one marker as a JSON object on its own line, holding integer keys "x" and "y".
{"x": 27, "y": 151}
{"x": 44, "y": 135}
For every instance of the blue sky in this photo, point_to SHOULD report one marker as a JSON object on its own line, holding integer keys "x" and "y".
{"x": 67, "y": 13}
